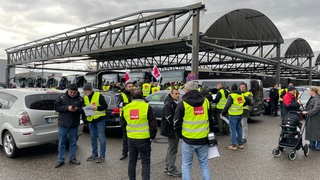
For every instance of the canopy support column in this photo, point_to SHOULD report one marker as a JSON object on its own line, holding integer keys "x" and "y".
{"x": 310, "y": 73}
{"x": 278, "y": 66}
{"x": 195, "y": 42}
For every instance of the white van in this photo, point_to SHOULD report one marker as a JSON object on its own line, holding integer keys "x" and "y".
{"x": 254, "y": 85}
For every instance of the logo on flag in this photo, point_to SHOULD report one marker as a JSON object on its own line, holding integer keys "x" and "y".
{"x": 156, "y": 73}
{"x": 128, "y": 78}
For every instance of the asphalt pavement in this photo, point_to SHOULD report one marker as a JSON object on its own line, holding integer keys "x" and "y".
{"x": 253, "y": 162}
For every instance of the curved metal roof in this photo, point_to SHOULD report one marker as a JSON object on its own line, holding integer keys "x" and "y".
{"x": 295, "y": 48}
{"x": 240, "y": 24}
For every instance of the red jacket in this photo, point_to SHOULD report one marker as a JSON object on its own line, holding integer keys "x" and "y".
{"x": 290, "y": 102}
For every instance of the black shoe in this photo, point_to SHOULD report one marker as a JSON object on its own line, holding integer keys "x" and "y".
{"x": 174, "y": 173}
{"x": 92, "y": 158}
{"x": 226, "y": 132}
{"x": 101, "y": 159}
{"x": 219, "y": 134}
{"x": 123, "y": 157}
{"x": 165, "y": 170}
{"x": 59, "y": 164}
{"x": 74, "y": 162}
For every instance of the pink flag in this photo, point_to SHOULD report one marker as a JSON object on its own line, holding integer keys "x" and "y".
{"x": 156, "y": 73}
{"x": 128, "y": 78}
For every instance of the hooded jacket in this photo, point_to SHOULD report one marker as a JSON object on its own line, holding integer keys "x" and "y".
{"x": 290, "y": 103}
{"x": 169, "y": 109}
{"x": 67, "y": 118}
{"x": 195, "y": 99}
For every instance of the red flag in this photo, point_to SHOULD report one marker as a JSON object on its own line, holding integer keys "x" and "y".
{"x": 156, "y": 73}
{"x": 128, "y": 78}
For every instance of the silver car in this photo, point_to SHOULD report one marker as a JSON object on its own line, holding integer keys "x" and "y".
{"x": 28, "y": 118}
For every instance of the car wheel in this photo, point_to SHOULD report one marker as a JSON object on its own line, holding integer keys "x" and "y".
{"x": 9, "y": 145}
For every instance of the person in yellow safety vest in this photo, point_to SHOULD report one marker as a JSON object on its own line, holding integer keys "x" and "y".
{"x": 246, "y": 112}
{"x": 235, "y": 103}
{"x": 146, "y": 88}
{"x": 141, "y": 126}
{"x": 220, "y": 101}
{"x": 123, "y": 100}
{"x": 155, "y": 89}
{"x": 106, "y": 86}
{"x": 97, "y": 122}
{"x": 193, "y": 122}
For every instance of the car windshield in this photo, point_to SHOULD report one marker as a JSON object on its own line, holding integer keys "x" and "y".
{"x": 41, "y": 101}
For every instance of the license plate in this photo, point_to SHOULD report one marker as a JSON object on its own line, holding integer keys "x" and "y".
{"x": 51, "y": 120}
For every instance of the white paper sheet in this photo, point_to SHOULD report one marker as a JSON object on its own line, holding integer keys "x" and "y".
{"x": 213, "y": 152}
{"x": 225, "y": 119}
{"x": 88, "y": 111}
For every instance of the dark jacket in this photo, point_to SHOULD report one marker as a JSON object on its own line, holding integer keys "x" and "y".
{"x": 290, "y": 103}
{"x": 169, "y": 109}
{"x": 274, "y": 95}
{"x": 230, "y": 102}
{"x": 313, "y": 119}
{"x": 195, "y": 99}
{"x": 152, "y": 122}
{"x": 67, "y": 118}
{"x": 120, "y": 100}
{"x": 103, "y": 106}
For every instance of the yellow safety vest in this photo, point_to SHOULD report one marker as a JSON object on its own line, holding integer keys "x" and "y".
{"x": 246, "y": 94}
{"x": 125, "y": 101}
{"x": 199, "y": 89}
{"x": 155, "y": 89}
{"x": 136, "y": 116}
{"x": 236, "y": 108}
{"x": 195, "y": 123}
{"x": 223, "y": 100}
{"x": 146, "y": 87}
{"x": 181, "y": 87}
{"x": 280, "y": 92}
{"x": 106, "y": 88}
{"x": 94, "y": 102}
{"x": 169, "y": 88}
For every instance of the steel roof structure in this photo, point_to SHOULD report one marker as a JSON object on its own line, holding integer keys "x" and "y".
{"x": 169, "y": 38}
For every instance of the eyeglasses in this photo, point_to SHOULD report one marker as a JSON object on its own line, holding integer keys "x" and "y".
{"x": 177, "y": 93}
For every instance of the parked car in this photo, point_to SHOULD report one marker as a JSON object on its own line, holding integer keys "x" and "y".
{"x": 266, "y": 101}
{"x": 28, "y": 118}
{"x": 113, "y": 112}
{"x": 156, "y": 101}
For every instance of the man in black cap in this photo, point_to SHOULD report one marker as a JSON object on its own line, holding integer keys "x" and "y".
{"x": 96, "y": 122}
{"x": 69, "y": 107}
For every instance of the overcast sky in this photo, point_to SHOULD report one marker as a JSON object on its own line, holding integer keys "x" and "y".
{"x": 26, "y": 20}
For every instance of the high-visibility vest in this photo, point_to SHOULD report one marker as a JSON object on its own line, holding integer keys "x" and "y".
{"x": 246, "y": 94}
{"x": 94, "y": 102}
{"x": 195, "y": 123}
{"x": 223, "y": 100}
{"x": 199, "y": 89}
{"x": 169, "y": 88}
{"x": 181, "y": 87}
{"x": 125, "y": 101}
{"x": 280, "y": 92}
{"x": 105, "y": 88}
{"x": 236, "y": 108}
{"x": 136, "y": 116}
{"x": 146, "y": 87}
{"x": 155, "y": 89}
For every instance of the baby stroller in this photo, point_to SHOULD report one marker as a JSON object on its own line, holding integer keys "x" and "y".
{"x": 291, "y": 136}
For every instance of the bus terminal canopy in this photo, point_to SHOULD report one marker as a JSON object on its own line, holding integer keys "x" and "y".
{"x": 141, "y": 39}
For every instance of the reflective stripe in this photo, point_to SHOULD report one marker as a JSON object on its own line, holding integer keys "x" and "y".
{"x": 195, "y": 130}
{"x": 94, "y": 100}
{"x": 138, "y": 125}
{"x": 133, "y": 131}
{"x": 196, "y": 122}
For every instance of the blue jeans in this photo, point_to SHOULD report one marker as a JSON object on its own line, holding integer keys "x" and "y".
{"x": 187, "y": 159}
{"x": 315, "y": 144}
{"x": 97, "y": 129}
{"x": 64, "y": 133}
{"x": 235, "y": 130}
